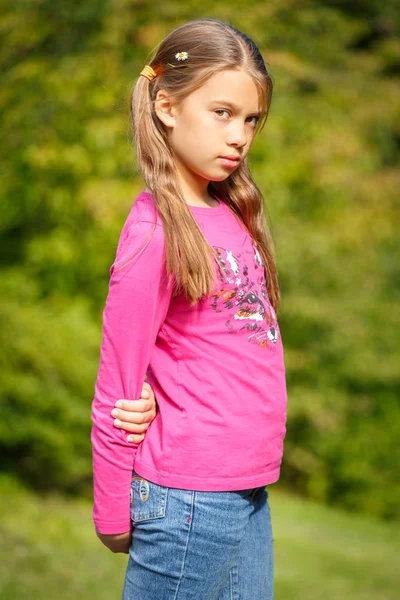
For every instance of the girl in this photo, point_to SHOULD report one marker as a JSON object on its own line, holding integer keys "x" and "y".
{"x": 192, "y": 304}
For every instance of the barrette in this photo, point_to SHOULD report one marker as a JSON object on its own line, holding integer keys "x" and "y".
{"x": 148, "y": 72}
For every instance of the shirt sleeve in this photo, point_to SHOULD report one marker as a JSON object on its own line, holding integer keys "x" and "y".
{"x": 137, "y": 303}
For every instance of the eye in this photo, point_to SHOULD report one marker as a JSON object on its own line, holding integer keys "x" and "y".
{"x": 224, "y": 110}
{"x": 256, "y": 120}
{"x": 219, "y": 110}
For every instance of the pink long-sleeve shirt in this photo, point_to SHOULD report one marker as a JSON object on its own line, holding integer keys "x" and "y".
{"x": 217, "y": 369}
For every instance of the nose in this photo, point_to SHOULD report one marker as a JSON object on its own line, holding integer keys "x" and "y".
{"x": 237, "y": 134}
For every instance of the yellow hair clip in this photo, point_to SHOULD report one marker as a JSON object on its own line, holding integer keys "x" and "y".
{"x": 148, "y": 72}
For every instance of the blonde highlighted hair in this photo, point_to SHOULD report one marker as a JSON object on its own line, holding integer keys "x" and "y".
{"x": 212, "y": 46}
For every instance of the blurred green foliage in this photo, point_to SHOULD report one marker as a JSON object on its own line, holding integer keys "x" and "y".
{"x": 327, "y": 164}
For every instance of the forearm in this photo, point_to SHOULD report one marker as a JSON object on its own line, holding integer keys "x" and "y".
{"x": 113, "y": 457}
{"x": 116, "y": 543}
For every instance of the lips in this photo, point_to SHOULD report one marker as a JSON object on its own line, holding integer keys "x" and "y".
{"x": 230, "y": 162}
{"x": 231, "y": 157}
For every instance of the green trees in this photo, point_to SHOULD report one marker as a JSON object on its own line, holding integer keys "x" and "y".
{"x": 327, "y": 163}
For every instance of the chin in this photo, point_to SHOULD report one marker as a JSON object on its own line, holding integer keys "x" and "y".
{"x": 220, "y": 177}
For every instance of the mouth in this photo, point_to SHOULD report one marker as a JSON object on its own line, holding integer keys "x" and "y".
{"x": 229, "y": 161}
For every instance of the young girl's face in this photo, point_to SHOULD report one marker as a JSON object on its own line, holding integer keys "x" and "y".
{"x": 215, "y": 121}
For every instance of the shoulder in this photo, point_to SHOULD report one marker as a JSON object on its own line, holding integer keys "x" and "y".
{"x": 144, "y": 209}
{"x": 141, "y": 235}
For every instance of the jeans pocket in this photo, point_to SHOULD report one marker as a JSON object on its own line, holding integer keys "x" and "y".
{"x": 148, "y": 499}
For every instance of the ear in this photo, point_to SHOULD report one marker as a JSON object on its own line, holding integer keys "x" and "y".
{"x": 165, "y": 108}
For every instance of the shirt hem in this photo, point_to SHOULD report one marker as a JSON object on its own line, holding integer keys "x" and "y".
{"x": 213, "y": 484}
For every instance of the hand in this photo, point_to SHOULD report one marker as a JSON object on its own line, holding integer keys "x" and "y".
{"x": 135, "y": 416}
{"x": 116, "y": 542}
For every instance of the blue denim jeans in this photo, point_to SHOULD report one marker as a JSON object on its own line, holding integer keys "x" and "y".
{"x": 193, "y": 545}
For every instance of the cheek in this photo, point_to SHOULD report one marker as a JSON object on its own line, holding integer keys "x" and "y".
{"x": 194, "y": 142}
{"x": 205, "y": 124}
{"x": 193, "y": 139}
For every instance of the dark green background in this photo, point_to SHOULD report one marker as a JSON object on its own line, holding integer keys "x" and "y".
{"x": 327, "y": 163}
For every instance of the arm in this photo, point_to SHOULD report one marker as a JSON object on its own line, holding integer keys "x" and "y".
{"x": 133, "y": 416}
{"x": 120, "y": 542}
{"x": 136, "y": 306}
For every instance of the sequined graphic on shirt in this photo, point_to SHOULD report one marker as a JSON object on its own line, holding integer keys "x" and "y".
{"x": 242, "y": 292}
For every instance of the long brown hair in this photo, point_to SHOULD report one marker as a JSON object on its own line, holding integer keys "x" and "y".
{"x": 219, "y": 46}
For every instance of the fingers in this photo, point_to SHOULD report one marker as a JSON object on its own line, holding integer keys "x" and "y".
{"x": 131, "y": 426}
{"x": 138, "y": 418}
{"x": 146, "y": 401}
{"x": 136, "y": 439}
{"x": 147, "y": 390}
{"x": 135, "y": 416}
{"x": 135, "y": 405}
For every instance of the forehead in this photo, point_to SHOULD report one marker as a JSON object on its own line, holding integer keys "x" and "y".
{"x": 234, "y": 86}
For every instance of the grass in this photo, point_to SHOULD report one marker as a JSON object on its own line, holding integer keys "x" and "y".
{"x": 327, "y": 554}
{"x": 48, "y": 549}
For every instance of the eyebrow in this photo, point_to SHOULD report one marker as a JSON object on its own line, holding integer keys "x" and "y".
{"x": 235, "y": 106}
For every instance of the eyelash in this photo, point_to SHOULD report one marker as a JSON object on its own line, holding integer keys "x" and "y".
{"x": 226, "y": 110}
